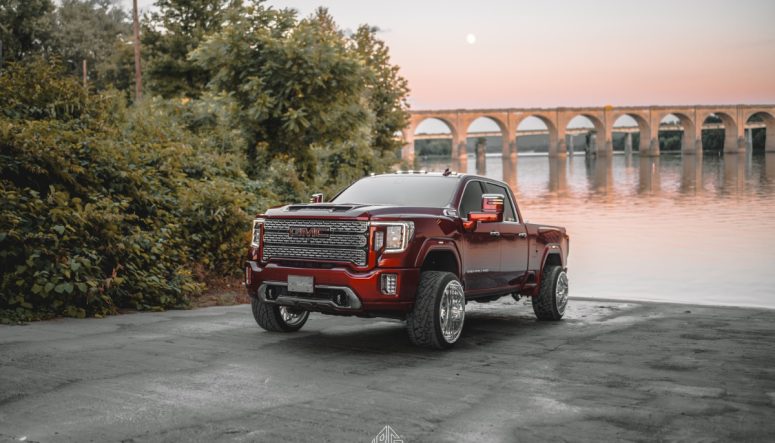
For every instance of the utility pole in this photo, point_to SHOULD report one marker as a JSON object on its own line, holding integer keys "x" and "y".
{"x": 138, "y": 71}
{"x": 84, "y": 73}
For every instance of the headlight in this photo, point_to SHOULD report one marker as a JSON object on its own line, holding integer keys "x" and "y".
{"x": 396, "y": 236}
{"x": 257, "y": 226}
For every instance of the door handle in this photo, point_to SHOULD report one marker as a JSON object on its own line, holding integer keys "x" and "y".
{"x": 522, "y": 235}
{"x": 495, "y": 233}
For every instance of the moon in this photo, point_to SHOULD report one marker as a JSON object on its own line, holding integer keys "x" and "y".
{"x": 471, "y": 39}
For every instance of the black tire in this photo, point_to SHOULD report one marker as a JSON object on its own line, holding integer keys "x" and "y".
{"x": 424, "y": 324}
{"x": 546, "y": 305}
{"x": 270, "y": 317}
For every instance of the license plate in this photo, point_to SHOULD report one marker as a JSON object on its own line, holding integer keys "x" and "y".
{"x": 300, "y": 283}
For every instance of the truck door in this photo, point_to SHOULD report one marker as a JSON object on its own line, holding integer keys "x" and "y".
{"x": 481, "y": 248}
{"x": 513, "y": 239}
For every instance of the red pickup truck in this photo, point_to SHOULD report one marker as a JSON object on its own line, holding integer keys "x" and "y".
{"x": 409, "y": 245}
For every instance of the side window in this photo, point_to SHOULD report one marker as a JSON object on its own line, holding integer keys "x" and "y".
{"x": 472, "y": 199}
{"x": 509, "y": 214}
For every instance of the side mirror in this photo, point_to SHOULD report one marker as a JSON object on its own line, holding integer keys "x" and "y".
{"x": 492, "y": 212}
{"x": 316, "y": 198}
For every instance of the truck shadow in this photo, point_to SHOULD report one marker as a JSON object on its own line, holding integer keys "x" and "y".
{"x": 348, "y": 336}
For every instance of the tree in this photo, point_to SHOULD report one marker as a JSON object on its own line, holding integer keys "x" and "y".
{"x": 25, "y": 26}
{"x": 387, "y": 90}
{"x": 170, "y": 33}
{"x": 297, "y": 84}
{"x": 95, "y": 31}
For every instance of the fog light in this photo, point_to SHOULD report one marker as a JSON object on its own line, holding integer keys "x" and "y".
{"x": 389, "y": 283}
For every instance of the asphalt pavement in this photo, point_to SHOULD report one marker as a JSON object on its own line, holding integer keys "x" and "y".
{"x": 609, "y": 371}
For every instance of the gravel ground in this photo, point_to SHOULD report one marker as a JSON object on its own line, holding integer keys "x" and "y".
{"x": 610, "y": 371}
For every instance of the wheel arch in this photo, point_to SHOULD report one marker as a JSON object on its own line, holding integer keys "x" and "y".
{"x": 440, "y": 257}
{"x": 553, "y": 256}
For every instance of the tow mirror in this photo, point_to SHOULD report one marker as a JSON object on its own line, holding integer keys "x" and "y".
{"x": 316, "y": 198}
{"x": 492, "y": 211}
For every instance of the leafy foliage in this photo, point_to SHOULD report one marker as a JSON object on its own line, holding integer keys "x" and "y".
{"x": 296, "y": 84}
{"x": 172, "y": 30}
{"x": 92, "y": 30}
{"x": 306, "y": 91}
{"x": 106, "y": 206}
{"x": 25, "y": 26}
{"x": 387, "y": 91}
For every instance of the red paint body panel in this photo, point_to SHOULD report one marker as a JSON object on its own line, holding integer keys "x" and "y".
{"x": 492, "y": 259}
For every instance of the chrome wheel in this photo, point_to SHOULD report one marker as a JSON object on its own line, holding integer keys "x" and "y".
{"x": 452, "y": 311}
{"x": 561, "y": 292}
{"x": 292, "y": 317}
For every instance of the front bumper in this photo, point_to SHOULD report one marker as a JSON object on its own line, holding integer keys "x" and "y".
{"x": 336, "y": 290}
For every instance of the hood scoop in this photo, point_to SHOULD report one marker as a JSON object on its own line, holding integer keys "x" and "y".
{"x": 320, "y": 207}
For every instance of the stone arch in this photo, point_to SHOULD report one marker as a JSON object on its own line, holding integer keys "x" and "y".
{"x": 420, "y": 119}
{"x": 500, "y": 123}
{"x": 730, "y": 143}
{"x": 769, "y": 127}
{"x": 689, "y": 143}
{"x": 601, "y": 135}
{"x": 551, "y": 127}
{"x": 644, "y": 128}
{"x": 417, "y": 121}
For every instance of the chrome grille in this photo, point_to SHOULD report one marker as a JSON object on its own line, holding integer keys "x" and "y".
{"x": 345, "y": 241}
{"x": 344, "y": 227}
{"x": 357, "y": 256}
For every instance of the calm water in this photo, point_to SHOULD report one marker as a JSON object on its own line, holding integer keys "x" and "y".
{"x": 696, "y": 230}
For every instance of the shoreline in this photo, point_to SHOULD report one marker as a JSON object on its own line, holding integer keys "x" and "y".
{"x": 679, "y": 303}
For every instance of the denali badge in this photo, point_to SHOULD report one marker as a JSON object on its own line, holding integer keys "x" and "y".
{"x": 296, "y": 231}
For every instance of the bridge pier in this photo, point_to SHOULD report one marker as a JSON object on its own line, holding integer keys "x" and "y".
{"x": 628, "y": 144}
{"x": 559, "y": 149}
{"x": 749, "y": 139}
{"x": 407, "y": 150}
{"x": 480, "y": 152}
{"x": 459, "y": 145}
{"x": 557, "y": 144}
{"x": 690, "y": 143}
{"x": 513, "y": 153}
{"x": 653, "y": 150}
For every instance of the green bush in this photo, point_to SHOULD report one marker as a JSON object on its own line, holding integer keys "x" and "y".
{"x": 105, "y": 206}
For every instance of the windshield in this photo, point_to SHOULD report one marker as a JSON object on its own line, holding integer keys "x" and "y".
{"x": 401, "y": 190}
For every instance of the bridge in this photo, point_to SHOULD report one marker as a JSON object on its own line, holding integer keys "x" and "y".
{"x": 736, "y": 120}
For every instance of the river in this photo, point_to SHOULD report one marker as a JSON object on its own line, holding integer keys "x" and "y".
{"x": 693, "y": 229}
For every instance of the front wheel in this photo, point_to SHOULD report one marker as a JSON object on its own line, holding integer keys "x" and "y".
{"x": 276, "y": 318}
{"x": 439, "y": 311}
{"x": 552, "y": 298}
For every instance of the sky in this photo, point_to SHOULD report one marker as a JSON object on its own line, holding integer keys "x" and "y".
{"x": 514, "y": 53}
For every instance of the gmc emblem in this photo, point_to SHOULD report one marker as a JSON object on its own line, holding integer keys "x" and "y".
{"x": 296, "y": 231}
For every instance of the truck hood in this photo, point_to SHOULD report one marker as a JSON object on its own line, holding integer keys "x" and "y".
{"x": 349, "y": 211}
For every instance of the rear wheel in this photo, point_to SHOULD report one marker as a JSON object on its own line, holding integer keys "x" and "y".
{"x": 439, "y": 311}
{"x": 278, "y": 318}
{"x": 552, "y": 298}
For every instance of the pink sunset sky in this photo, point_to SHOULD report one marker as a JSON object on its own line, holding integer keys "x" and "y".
{"x": 571, "y": 53}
